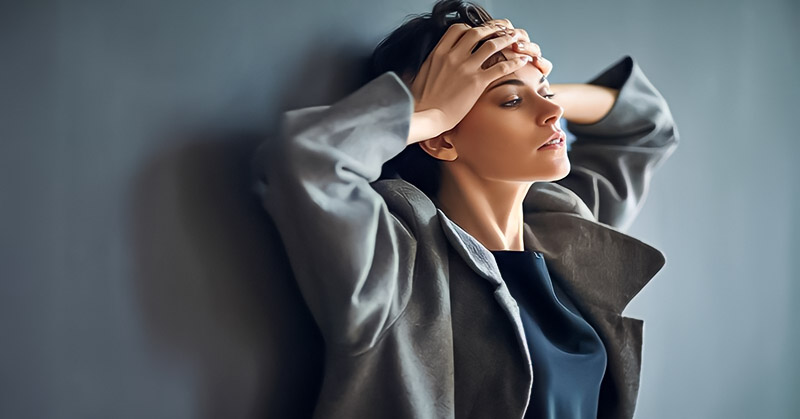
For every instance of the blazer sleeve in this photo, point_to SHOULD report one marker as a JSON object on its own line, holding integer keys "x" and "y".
{"x": 614, "y": 158}
{"x": 352, "y": 258}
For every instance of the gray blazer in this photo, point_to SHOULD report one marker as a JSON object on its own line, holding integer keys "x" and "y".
{"x": 416, "y": 318}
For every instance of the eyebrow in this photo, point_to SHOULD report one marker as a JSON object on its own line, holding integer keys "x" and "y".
{"x": 516, "y": 82}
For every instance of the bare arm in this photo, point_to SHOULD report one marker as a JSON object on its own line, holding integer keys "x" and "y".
{"x": 584, "y": 103}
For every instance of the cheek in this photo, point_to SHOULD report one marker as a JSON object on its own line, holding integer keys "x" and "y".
{"x": 484, "y": 131}
{"x": 493, "y": 135}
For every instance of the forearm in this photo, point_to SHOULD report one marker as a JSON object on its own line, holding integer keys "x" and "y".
{"x": 584, "y": 103}
{"x": 351, "y": 257}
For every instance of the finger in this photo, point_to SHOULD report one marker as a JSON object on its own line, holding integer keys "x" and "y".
{"x": 451, "y": 36}
{"x": 501, "y": 23}
{"x": 544, "y": 65}
{"x": 503, "y": 68}
{"x": 523, "y": 34}
{"x": 433, "y": 62}
{"x": 472, "y": 37}
{"x": 489, "y": 48}
{"x": 525, "y": 47}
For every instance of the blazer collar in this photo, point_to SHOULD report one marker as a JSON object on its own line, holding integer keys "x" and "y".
{"x": 599, "y": 264}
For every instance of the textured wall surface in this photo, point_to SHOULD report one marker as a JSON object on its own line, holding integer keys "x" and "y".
{"x": 137, "y": 277}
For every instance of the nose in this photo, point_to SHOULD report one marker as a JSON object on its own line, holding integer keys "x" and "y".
{"x": 550, "y": 112}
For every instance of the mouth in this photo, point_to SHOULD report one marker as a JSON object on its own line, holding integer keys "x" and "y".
{"x": 558, "y": 139}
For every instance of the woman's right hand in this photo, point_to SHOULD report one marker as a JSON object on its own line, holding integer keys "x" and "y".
{"x": 452, "y": 79}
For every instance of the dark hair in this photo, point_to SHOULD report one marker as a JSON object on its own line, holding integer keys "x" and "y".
{"x": 403, "y": 51}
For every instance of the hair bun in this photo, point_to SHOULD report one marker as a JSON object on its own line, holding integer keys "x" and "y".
{"x": 465, "y": 12}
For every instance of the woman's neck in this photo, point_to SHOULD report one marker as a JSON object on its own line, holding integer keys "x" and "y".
{"x": 490, "y": 211}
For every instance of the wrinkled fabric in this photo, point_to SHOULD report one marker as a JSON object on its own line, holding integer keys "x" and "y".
{"x": 417, "y": 321}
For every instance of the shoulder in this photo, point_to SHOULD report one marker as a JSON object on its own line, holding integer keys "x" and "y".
{"x": 550, "y": 197}
{"x": 407, "y": 203}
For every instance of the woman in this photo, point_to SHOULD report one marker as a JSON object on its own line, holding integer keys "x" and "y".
{"x": 485, "y": 273}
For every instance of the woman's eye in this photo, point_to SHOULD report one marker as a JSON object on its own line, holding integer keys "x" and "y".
{"x": 515, "y": 102}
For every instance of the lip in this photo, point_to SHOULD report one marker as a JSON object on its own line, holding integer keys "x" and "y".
{"x": 557, "y": 134}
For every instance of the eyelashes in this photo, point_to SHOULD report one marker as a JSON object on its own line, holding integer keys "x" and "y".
{"x": 515, "y": 102}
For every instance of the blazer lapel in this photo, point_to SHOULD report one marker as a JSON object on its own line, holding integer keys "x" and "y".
{"x": 481, "y": 260}
{"x": 599, "y": 264}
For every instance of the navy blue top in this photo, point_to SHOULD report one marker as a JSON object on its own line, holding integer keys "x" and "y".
{"x": 568, "y": 357}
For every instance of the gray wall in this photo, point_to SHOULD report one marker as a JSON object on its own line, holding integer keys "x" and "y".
{"x": 137, "y": 275}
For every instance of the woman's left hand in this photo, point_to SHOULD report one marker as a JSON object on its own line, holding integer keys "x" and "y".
{"x": 525, "y": 46}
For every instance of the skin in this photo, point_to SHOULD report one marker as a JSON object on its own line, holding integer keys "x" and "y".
{"x": 490, "y": 158}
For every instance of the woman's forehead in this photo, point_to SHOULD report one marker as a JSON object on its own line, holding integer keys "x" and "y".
{"x": 530, "y": 74}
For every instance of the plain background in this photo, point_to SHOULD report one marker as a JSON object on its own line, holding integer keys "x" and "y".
{"x": 136, "y": 271}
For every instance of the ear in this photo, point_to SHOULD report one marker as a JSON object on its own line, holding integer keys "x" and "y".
{"x": 440, "y": 147}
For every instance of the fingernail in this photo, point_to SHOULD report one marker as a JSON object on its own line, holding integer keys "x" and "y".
{"x": 521, "y": 45}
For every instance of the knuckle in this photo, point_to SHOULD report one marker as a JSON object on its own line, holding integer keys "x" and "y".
{"x": 502, "y": 66}
{"x": 496, "y": 43}
{"x": 452, "y": 61}
{"x": 456, "y": 27}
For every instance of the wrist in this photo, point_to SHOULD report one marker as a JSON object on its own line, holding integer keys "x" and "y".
{"x": 424, "y": 125}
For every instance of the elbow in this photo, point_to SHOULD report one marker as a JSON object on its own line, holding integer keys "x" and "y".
{"x": 665, "y": 129}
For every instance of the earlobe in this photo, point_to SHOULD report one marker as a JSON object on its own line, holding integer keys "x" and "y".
{"x": 440, "y": 147}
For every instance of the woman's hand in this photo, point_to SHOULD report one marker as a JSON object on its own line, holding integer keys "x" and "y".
{"x": 451, "y": 79}
{"x": 525, "y": 46}
{"x": 582, "y": 103}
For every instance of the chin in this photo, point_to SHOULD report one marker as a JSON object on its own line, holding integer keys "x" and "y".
{"x": 562, "y": 173}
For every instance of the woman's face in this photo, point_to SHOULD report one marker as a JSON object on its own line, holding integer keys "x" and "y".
{"x": 499, "y": 138}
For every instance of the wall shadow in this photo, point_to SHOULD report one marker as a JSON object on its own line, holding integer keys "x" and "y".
{"x": 211, "y": 275}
